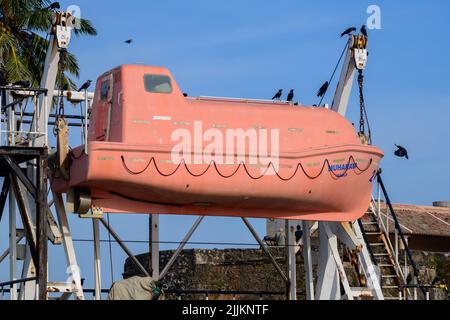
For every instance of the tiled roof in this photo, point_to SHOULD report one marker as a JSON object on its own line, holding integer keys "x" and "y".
{"x": 423, "y": 220}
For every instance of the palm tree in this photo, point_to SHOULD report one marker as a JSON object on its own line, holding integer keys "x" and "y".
{"x": 23, "y": 42}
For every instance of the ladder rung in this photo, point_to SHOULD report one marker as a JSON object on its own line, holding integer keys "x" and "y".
{"x": 391, "y": 298}
{"x": 381, "y": 254}
{"x": 385, "y": 265}
{"x": 373, "y": 233}
{"x": 389, "y": 287}
{"x": 370, "y": 223}
{"x": 376, "y": 244}
{"x": 389, "y": 276}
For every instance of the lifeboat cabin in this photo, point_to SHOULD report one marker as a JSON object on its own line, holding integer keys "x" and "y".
{"x": 152, "y": 149}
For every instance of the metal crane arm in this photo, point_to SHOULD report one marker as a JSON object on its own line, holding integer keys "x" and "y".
{"x": 356, "y": 59}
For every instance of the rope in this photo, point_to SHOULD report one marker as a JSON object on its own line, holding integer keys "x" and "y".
{"x": 334, "y": 72}
{"x": 351, "y": 161}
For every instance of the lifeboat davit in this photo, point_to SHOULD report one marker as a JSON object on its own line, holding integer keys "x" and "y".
{"x": 154, "y": 150}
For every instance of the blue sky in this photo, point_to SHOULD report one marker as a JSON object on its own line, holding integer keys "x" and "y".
{"x": 251, "y": 49}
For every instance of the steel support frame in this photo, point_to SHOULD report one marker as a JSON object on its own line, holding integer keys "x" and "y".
{"x": 266, "y": 251}
{"x": 180, "y": 247}
{"x": 154, "y": 245}
{"x": 291, "y": 262}
{"x": 72, "y": 265}
{"x": 124, "y": 247}
{"x": 307, "y": 258}
{"x": 331, "y": 270}
{"x": 36, "y": 234}
{"x": 97, "y": 260}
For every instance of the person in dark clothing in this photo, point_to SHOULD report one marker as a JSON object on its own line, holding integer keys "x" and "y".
{"x": 298, "y": 234}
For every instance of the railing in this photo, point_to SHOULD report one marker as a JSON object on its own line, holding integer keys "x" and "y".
{"x": 9, "y": 284}
{"x": 172, "y": 292}
{"x": 394, "y": 249}
{"x": 10, "y": 129}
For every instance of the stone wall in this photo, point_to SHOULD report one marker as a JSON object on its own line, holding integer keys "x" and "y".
{"x": 229, "y": 269}
{"x": 252, "y": 270}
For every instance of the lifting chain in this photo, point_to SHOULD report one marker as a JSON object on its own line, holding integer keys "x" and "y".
{"x": 60, "y": 77}
{"x": 362, "y": 123}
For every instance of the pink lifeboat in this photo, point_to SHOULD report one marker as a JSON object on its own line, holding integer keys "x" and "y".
{"x": 153, "y": 150}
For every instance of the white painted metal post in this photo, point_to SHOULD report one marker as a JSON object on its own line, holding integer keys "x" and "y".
{"x": 332, "y": 239}
{"x": 48, "y": 81}
{"x": 97, "y": 261}
{"x": 11, "y": 126}
{"x": 86, "y": 126}
{"x": 12, "y": 244}
{"x": 292, "y": 263}
{"x": 72, "y": 264}
{"x": 307, "y": 258}
{"x": 328, "y": 282}
{"x": 154, "y": 238}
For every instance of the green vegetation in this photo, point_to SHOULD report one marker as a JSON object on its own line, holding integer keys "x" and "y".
{"x": 23, "y": 42}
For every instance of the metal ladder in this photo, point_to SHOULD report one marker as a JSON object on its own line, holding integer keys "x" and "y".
{"x": 384, "y": 236}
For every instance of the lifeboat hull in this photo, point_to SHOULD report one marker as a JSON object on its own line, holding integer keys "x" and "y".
{"x": 325, "y": 184}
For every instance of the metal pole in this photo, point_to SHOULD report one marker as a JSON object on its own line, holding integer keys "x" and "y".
{"x": 42, "y": 238}
{"x": 307, "y": 258}
{"x": 291, "y": 260}
{"x": 124, "y": 247}
{"x": 379, "y": 202}
{"x": 97, "y": 265}
{"x": 12, "y": 244}
{"x": 266, "y": 251}
{"x": 10, "y": 140}
{"x": 180, "y": 247}
{"x": 45, "y": 122}
{"x": 396, "y": 248}
{"x": 86, "y": 108}
{"x": 154, "y": 244}
{"x": 68, "y": 244}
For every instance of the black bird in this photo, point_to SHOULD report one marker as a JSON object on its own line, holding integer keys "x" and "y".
{"x": 85, "y": 85}
{"x": 364, "y": 31}
{"x": 401, "y": 152}
{"x": 129, "y": 41}
{"x": 278, "y": 95}
{"x": 54, "y": 6}
{"x": 290, "y": 96}
{"x": 323, "y": 89}
{"x": 22, "y": 84}
{"x": 348, "y": 31}
{"x": 435, "y": 281}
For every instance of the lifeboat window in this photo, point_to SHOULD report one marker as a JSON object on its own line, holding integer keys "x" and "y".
{"x": 156, "y": 83}
{"x": 104, "y": 90}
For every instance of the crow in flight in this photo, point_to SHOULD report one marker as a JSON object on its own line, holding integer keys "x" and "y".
{"x": 290, "y": 96}
{"x": 348, "y": 31}
{"x": 323, "y": 89}
{"x": 401, "y": 152}
{"x": 85, "y": 85}
{"x": 364, "y": 31}
{"x": 129, "y": 41}
{"x": 278, "y": 95}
